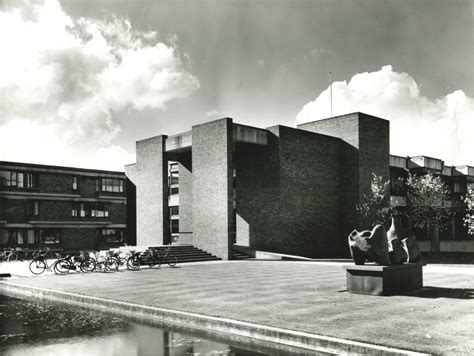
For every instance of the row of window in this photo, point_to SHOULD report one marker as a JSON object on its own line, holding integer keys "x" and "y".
{"x": 18, "y": 179}
{"x": 82, "y": 210}
{"x": 20, "y": 237}
{"x": 13, "y": 237}
{"x": 30, "y": 180}
{"x": 87, "y": 210}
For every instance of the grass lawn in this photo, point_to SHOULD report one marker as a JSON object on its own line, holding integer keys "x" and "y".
{"x": 304, "y": 296}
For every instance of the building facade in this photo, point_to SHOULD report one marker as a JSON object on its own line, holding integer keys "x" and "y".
{"x": 455, "y": 237}
{"x": 280, "y": 189}
{"x": 63, "y": 208}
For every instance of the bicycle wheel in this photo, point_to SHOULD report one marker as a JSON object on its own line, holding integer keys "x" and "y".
{"x": 37, "y": 266}
{"x": 12, "y": 257}
{"x": 172, "y": 260}
{"x": 111, "y": 264}
{"x": 62, "y": 266}
{"x": 133, "y": 263}
{"x": 87, "y": 265}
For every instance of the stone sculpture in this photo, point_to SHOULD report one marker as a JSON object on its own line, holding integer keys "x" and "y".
{"x": 384, "y": 248}
{"x": 369, "y": 245}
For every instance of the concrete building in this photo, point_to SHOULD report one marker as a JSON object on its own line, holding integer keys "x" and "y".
{"x": 279, "y": 189}
{"x": 455, "y": 238}
{"x": 64, "y": 208}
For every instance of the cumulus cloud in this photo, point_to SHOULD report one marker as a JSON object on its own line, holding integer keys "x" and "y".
{"x": 62, "y": 80}
{"x": 440, "y": 128}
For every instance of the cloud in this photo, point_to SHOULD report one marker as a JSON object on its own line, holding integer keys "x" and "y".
{"x": 439, "y": 128}
{"x": 62, "y": 80}
{"x": 213, "y": 113}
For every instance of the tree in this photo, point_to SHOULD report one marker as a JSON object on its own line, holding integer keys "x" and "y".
{"x": 425, "y": 204}
{"x": 469, "y": 200}
{"x": 375, "y": 208}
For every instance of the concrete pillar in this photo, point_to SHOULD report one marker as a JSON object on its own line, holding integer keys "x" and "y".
{"x": 212, "y": 187}
{"x": 150, "y": 177}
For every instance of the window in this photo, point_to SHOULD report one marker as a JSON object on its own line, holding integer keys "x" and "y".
{"x": 110, "y": 185}
{"x": 174, "y": 190}
{"x": 8, "y": 179}
{"x": 174, "y": 210}
{"x": 100, "y": 210}
{"x": 174, "y": 225}
{"x": 111, "y": 236}
{"x": 50, "y": 236}
{"x": 16, "y": 237}
{"x": 458, "y": 188}
{"x": 19, "y": 180}
{"x": 13, "y": 237}
{"x": 3, "y": 237}
{"x": 33, "y": 208}
{"x": 74, "y": 183}
{"x": 85, "y": 210}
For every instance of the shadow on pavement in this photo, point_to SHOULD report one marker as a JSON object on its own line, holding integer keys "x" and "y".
{"x": 437, "y": 292}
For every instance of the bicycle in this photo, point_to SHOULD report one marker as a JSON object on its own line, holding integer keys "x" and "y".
{"x": 120, "y": 260}
{"x": 104, "y": 264}
{"x": 76, "y": 263}
{"x": 168, "y": 257}
{"x": 8, "y": 255}
{"x": 40, "y": 264}
{"x": 133, "y": 262}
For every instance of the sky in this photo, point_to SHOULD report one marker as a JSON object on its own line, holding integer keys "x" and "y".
{"x": 82, "y": 80}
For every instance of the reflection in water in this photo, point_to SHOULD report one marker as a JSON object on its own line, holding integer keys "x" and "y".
{"x": 45, "y": 328}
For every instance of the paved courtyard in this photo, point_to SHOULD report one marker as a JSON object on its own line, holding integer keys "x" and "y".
{"x": 302, "y": 296}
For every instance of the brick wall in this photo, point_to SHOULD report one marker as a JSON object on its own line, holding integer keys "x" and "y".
{"x": 365, "y": 151}
{"x": 258, "y": 194}
{"x": 212, "y": 186}
{"x": 15, "y": 211}
{"x": 79, "y": 239}
{"x": 310, "y": 184}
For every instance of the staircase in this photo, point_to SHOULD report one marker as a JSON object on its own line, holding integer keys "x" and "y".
{"x": 187, "y": 253}
{"x": 237, "y": 255}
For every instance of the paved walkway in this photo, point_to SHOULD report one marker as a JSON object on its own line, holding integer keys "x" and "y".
{"x": 302, "y": 296}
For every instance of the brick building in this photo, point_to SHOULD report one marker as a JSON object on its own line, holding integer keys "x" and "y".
{"x": 63, "y": 208}
{"x": 280, "y": 189}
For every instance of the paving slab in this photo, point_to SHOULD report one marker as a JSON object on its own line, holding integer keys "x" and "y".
{"x": 305, "y": 297}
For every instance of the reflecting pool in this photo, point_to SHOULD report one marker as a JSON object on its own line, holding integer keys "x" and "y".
{"x": 32, "y": 327}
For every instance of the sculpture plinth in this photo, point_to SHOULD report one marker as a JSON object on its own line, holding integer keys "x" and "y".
{"x": 374, "y": 279}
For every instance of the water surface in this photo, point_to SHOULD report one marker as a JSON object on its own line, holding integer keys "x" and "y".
{"x": 40, "y": 327}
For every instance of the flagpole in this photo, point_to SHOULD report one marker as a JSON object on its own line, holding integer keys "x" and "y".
{"x": 330, "y": 90}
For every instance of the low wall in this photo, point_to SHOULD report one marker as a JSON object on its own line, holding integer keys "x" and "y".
{"x": 448, "y": 246}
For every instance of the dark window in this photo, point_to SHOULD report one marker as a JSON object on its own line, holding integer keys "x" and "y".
{"x": 111, "y": 236}
{"x": 74, "y": 183}
{"x": 174, "y": 225}
{"x": 31, "y": 180}
{"x": 33, "y": 208}
{"x": 3, "y": 237}
{"x": 174, "y": 190}
{"x": 50, "y": 236}
{"x": 174, "y": 210}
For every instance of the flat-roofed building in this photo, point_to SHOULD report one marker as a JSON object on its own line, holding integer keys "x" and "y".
{"x": 63, "y": 208}
{"x": 279, "y": 189}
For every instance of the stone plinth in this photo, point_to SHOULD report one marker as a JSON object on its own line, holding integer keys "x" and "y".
{"x": 384, "y": 280}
